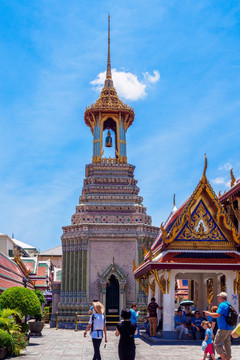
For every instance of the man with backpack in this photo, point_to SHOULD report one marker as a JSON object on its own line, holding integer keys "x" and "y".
{"x": 226, "y": 318}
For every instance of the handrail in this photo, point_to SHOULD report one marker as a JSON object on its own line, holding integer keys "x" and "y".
{"x": 107, "y": 322}
{"x": 57, "y": 320}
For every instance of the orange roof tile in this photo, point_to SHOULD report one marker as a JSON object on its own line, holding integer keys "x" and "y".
{"x": 42, "y": 271}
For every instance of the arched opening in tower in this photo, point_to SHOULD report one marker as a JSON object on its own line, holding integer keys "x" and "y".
{"x": 112, "y": 298}
{"x": 109, "y": 128}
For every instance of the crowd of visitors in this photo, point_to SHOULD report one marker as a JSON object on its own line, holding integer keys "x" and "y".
{"x": 214, "y": 327}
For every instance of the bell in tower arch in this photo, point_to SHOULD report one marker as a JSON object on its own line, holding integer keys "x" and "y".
{"x": 108, "y": 142}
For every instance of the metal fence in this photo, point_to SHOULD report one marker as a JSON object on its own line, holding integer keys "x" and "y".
{"x": 81, "y": 319}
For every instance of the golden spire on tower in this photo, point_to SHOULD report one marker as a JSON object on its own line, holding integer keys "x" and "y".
{"x": 109, "y": 73}
{"x": 108, "y": 81}
{"x": 109, "y": 113}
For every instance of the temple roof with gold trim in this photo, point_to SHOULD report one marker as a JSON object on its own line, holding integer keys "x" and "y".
{"x": 199, "y": 232}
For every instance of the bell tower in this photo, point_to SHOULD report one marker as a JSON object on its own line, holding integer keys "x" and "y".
{"x": 109, "y": 113}
{"x": 110, "y": 227}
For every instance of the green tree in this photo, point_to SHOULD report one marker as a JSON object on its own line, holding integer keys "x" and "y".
{"x": 22, "y": 299}
{"x": 40, "y": 296}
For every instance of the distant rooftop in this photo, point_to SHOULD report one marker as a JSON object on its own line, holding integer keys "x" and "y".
{"x": 56, "y": 251}
{"x": 23, "y": 245}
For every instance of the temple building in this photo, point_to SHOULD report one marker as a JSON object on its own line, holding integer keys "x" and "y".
{"x": 199, "y": 242}
{"x": 110, "y": 225}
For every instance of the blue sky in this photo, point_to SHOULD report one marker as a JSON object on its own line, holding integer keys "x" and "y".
{"x": 182, "y": 60}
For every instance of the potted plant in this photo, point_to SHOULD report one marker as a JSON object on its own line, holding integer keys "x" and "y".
{"x": 27, "y": 302}
{"x": 6, "y": 342}
{"x": 36, "y": 325}
{"x": 10, "y": 323}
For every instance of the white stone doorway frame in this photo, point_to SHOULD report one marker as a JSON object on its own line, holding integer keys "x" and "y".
{"x": 113, "y": 269}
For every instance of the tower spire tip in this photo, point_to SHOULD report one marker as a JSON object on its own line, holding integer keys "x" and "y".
{"x": 108, "y": 81}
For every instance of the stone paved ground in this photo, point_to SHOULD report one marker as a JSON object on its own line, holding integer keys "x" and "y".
{"x": 67, "y": 344}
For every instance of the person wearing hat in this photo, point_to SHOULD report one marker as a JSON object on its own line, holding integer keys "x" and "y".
{"x": 97, "y": 324}
{"x": 223, "y": 336}
{"x": 91, "y": 310}
{"x": 126, "y": 330}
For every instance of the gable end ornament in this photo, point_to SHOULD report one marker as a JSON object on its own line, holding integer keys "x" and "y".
{"x": 143, "y": 287}
{"x": 233, "y": 179}
{"x": 151, "y": 285}
{"x": 164, "y": 233}
{"x": 204, "y": 177}
{"x": 160, "y": 281}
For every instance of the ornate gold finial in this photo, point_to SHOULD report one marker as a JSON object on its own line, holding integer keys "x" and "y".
{"x": 164, "y": 232}
{"x": 233, "y": 180}
{"x": 204, "y": 178}
{"x": 219, "y": 194}
{"x": 144, "y": 250}
{"x": 134, "y": 265}
{"x": 174, "y": 202}
{"x": 150, "y": 254}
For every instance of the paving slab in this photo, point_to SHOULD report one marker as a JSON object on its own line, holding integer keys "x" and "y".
{"x": 68, "y": 344}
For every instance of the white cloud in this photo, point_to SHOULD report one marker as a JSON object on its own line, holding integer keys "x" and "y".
{"x": 221, "y": 181}
{"x": 128, "y": 85}
{"x": 152, "y": 78}
{"x": 227, "y": 166}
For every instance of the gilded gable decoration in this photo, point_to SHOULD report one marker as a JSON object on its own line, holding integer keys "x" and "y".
{"x": 204, "y": 223}
{"x": 201, "y": 227}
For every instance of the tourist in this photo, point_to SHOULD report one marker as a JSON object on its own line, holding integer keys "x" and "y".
{"x": 188, "y": 314}
{"x": 152, "y": 310}
{"x": 91, "y": 310}
{"x": 214, "y": 324}
{"x": 213, "y": 320}
{"x": 206, "y": 325}
{"x": 126, "y": 330}
{"x": 223, "y": 336}
{"x": 180, "y": 324}
{"x": 134, "y": 317}
{"x": 236, "y": 332}
{"x": 146, "y": 324}
{"x": 98, "y": 328}
{"x": 196, "y": 325}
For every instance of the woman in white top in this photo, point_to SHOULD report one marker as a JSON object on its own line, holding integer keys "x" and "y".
{"x": 98, "y": 327}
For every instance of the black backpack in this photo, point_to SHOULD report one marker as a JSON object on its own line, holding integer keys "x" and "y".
{"x": 232, "y": 316}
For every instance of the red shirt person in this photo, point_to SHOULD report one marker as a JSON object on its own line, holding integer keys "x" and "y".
{"x": 152, "y": 310}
